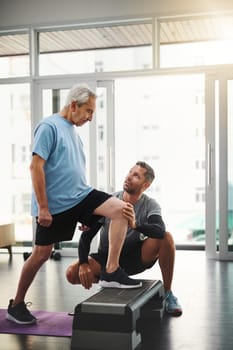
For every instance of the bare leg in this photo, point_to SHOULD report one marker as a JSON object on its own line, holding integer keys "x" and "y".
{"x": 112, "y": 208}
{"x": 31, "y": 266}
{"x": 117, "y": 231}
{"x": 164, "y": 251}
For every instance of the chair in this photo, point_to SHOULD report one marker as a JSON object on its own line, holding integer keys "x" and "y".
{"x": 7, "y": 236}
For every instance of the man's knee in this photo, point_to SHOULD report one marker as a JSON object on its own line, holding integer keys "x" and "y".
{"x": 112, "y": 208}
{"x": 168, "y": 240}
{"x": 41, "y": 253}
{"x": 152, "y": 249}
{"x": 72, "y": 273}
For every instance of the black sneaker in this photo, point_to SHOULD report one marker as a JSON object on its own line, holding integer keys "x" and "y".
{"x": 19, "y": 313}
{"x": 118, "y": 279}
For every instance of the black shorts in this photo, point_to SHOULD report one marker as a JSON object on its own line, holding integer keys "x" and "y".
{"x": 130, "y": 262}
{"x": 64, "y": 224}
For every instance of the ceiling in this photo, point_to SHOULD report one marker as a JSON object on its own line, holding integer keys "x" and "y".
{"x": 196, "y": 29}
{"x": 97, "y": 38}
{"x": 171, "y": 31}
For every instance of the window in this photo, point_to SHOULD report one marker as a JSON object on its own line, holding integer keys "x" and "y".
{"x": 196, "y": 41}
{"x": 92, "y": 49}
{"x": 166, "y": 141}
{"x": 14, "y": 55}
{"x": 15, "y": 154}
{"x": 200, "y": 195}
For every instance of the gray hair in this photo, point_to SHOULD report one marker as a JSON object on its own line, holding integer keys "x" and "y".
{"x": 79, "y": 93}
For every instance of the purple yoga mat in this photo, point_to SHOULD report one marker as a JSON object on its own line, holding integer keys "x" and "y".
{"x": 55, "y": 324}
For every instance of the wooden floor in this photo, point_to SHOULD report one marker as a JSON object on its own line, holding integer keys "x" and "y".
{"x": 204, "y": 288}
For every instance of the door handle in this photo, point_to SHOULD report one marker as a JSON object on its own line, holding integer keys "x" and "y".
{"x": 209, "y": 164}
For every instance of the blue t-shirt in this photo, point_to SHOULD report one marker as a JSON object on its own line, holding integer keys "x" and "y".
{"x": 56, "y": 141}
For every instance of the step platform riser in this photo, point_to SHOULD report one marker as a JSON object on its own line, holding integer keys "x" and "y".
{"x": 111, "y": 318}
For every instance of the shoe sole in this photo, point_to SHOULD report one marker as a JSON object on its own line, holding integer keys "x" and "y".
{"x": 113, "y": 284}
{"x": 11, "y": 318}
{"x": 174, "y": 313}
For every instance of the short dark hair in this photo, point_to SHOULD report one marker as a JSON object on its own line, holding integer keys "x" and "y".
{"x": 149, "y": 174}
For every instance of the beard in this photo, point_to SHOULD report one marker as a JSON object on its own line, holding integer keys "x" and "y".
{"x": 129, "y": 189}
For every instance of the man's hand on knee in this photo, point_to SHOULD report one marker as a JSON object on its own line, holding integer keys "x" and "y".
{"x": 86, "y": 276}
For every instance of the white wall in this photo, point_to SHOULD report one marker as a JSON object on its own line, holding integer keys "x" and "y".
{"x": 17, "y": 13}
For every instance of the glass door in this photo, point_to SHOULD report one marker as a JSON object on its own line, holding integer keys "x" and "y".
{"x": 161, "y": 120}
{"x": 96, "y": 136}
{"x": 105, "y": 143}
{"x": 15, "y": 156}
{"x": 219, "y": 175}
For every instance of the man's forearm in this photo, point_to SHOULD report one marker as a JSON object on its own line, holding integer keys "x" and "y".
{"x": 39, "y": 185}
{"x": 85, "y": 243}
{"x": 154, "y": 228}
